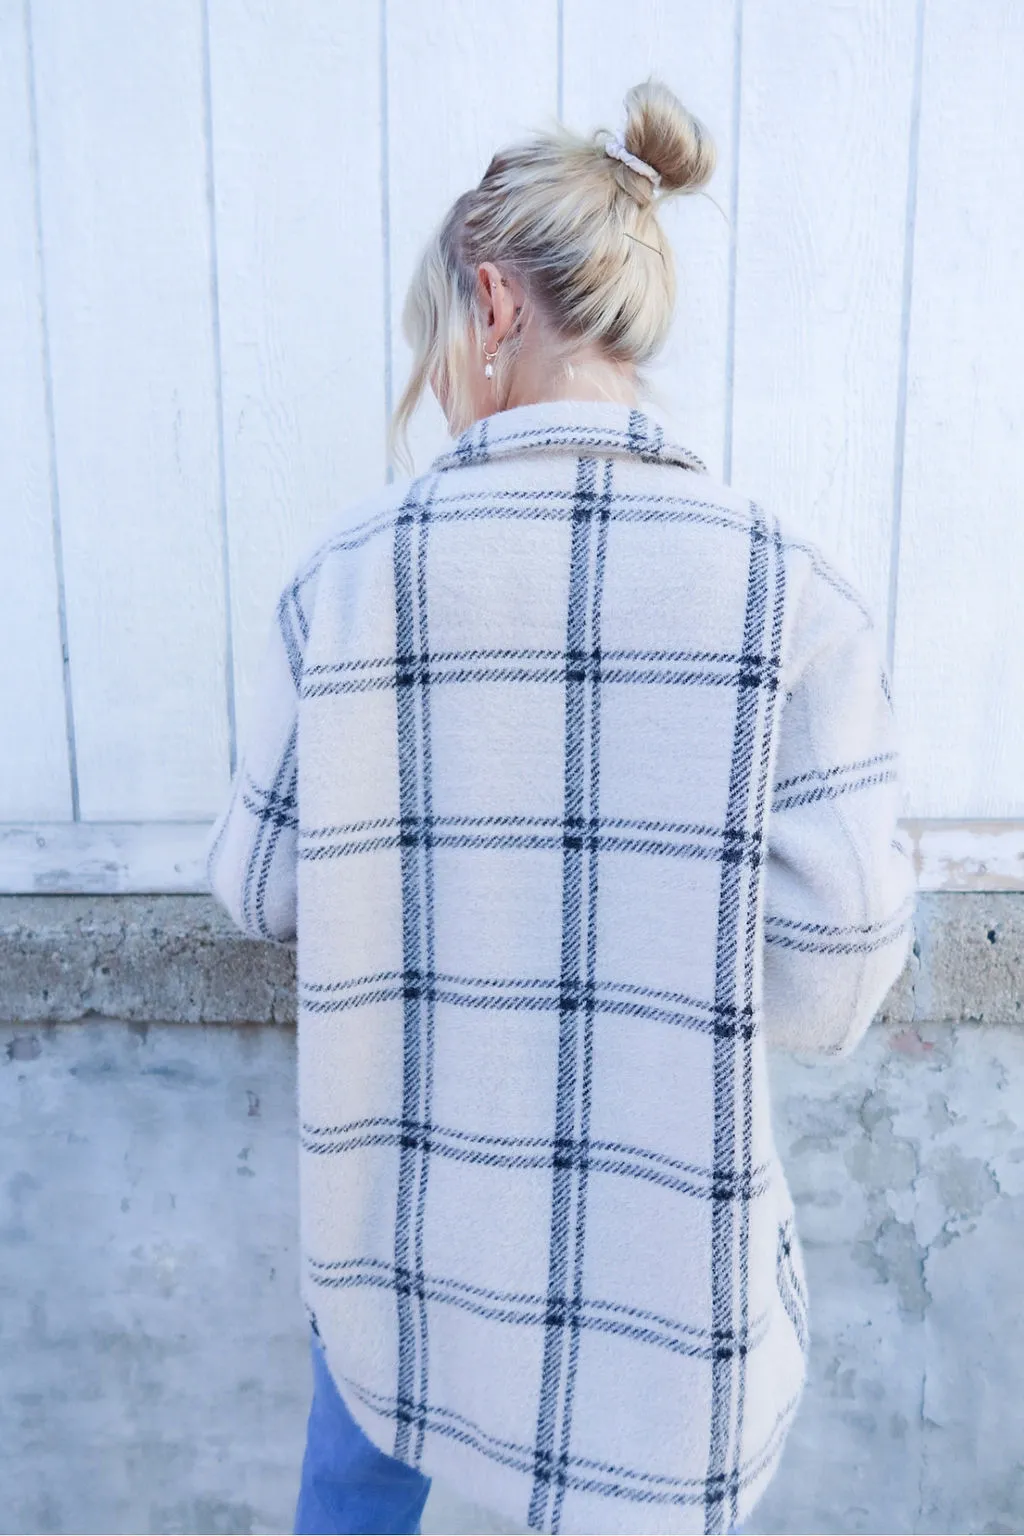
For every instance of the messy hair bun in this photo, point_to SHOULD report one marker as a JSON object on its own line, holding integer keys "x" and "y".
{"x": 578, "y": 228}
{"x": 660, "y": 131}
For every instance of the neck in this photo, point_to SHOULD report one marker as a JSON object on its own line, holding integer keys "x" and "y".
{"x": 588, "y": 375}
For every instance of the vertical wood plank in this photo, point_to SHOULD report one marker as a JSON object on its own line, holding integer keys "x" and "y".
{"x": 458, "y": 90}
{"x": 297, "y": 174}
{"x": 691, "y": 47}
{"x": 959, "y": 669}
{"x": 34, "y": 770}
{"x": 127, "y": 255}
{"x": 825, "y": 122}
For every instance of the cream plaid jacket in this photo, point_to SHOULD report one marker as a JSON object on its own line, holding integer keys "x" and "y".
{"x": 577, "y": 779}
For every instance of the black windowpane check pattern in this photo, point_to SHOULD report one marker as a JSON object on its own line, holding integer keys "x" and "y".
{"x": 524, "y": 789}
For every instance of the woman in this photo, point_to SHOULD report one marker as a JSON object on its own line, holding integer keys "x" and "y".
{"x": 576, "y": 780}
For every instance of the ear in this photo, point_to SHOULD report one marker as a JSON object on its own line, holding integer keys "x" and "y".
{"x": 497, "y": 302}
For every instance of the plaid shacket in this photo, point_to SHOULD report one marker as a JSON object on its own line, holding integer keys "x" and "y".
{"x": 576, "y": 779}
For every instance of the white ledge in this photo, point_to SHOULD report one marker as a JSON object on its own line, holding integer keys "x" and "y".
{"x": 122, "y": 858}
{"x": 981, "y": 855}
{"x": 103, "y": 858}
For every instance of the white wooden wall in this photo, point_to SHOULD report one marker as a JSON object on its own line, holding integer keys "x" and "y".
{"x": 210, "y": 213}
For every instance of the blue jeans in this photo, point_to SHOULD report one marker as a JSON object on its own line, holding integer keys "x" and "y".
{"x": 347, "y": 1483}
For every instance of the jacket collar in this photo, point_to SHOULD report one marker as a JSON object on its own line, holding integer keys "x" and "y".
{"x": 569, "y": 426}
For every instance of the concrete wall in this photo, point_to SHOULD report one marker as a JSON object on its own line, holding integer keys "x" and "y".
{"x": 155, "y": 1375}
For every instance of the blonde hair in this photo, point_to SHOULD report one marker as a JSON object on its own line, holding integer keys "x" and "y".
{"x": 579, "y": 230}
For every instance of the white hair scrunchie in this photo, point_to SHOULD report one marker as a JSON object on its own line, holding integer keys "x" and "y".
{"x": 618, "y": 151}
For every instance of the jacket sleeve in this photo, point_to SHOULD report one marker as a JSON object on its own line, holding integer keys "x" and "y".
{"x": 251, "y": 853}
{"x": 840, "y": 889}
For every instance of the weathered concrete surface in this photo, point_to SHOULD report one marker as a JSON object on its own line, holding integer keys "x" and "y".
{"x": 150, "y": 1360}
{"x": 150, "y": 958}
{"x": 153, "y": 1365}
{"x": 179, "y": 958}
{"x": 907, "y": 1165}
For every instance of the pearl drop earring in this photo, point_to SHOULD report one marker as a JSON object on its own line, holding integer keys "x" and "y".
{"x": 489, "y": 363}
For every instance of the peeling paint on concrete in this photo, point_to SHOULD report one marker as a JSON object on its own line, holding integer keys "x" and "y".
{"x": 897, "y": 1258}
{"x": 880, "y": 1157}
{"x": 910, "y": 1419}
{"x": 965, "y": 1184}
